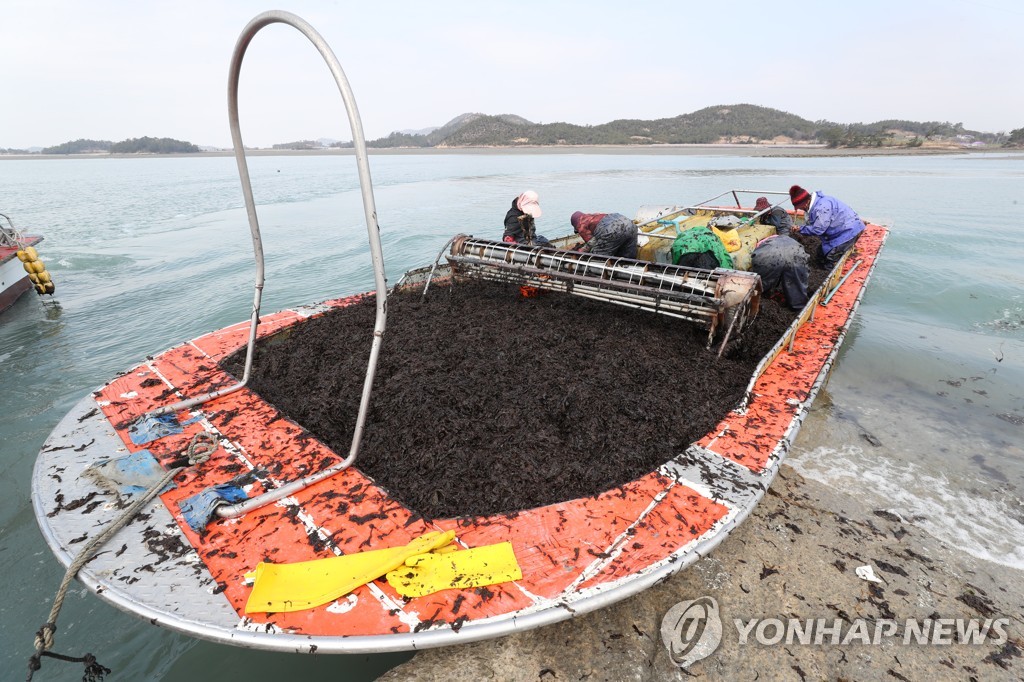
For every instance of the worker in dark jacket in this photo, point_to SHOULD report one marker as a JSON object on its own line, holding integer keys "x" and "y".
{"x": 519, "y": 221}
{"x": 605, "y": 234}
{"x": 773, "y": 215}
{"x": 781, "y": 261}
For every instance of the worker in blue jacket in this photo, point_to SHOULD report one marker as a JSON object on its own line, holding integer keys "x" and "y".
{"x": 834, "y": 222}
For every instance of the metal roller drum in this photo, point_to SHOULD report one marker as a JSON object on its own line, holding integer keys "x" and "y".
{"x": 722, "y": 301}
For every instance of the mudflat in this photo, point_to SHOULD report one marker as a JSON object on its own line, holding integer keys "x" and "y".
{"x": 795, "y": 557}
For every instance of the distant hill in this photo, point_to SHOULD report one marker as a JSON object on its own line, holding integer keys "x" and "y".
{"x": 299, "y": 145}
{"x": 80, "y": 147}
{"x": 736, "y": 123}
{"x": 421, "y": 131}
{"x": 439, "y": 137}
{"x": 733, "y": 123}
{"x": 140, "y": 145}
{"x": 153, "y": 145}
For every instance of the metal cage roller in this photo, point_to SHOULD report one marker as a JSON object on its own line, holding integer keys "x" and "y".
{"x": 715, "y": 299}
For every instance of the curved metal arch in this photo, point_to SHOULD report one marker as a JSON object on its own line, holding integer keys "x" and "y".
{"x": 369, "y": 208}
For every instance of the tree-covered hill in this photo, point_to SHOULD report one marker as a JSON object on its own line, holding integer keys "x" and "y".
{"x": 734, "y": 123}
{"x": 441, "y": 137}
{"x": 80, "y": 147}
{"x": 141, "y": 145}
{"x": 737, "y": 123}
{"x": 153, "y": 145}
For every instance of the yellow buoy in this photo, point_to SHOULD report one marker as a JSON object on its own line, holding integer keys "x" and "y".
{"x": 36, "y": 270}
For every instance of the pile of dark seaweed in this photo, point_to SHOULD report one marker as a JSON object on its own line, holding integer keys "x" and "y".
{"x": 487, "y": 402}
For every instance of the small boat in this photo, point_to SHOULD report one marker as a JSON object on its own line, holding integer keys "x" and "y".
{"x": 304, "y": 501}
{"x": 20, "y": 266}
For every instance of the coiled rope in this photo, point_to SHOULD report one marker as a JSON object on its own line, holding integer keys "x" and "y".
{"x": 199, "y": 450}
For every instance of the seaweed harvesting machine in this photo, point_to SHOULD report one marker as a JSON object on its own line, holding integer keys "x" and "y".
{"x": 722, "y": 301}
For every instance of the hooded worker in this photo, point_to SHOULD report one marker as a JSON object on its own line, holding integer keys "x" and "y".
{"x": 519, "y": 221}
{"x": 775, "y": 216}
{"x": 605, "y": 234}
{"x": 834, "y": 222}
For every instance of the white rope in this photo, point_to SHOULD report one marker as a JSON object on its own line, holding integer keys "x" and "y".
{"x": 199, "y": 450}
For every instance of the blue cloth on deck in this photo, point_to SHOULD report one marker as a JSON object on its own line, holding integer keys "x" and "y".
{"x": 147, "y": 429}
{"x": 128, "y": 474}
{"x": 200, "y": 508}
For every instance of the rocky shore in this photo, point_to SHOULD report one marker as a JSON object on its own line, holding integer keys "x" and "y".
{"x": 795, "y": 558}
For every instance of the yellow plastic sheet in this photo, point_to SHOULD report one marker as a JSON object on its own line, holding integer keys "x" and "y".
{"x": 280, "y": 588}
{"x": 428, "y": 573}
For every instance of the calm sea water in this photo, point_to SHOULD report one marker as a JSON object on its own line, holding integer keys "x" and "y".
{"x": 147, "y": 253}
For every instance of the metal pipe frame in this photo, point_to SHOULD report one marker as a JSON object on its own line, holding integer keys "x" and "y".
{"x": 662, "y": 277}
{"x": 734, "y": 193}
{"x": 701, "y": 296}
{"x": 10, "y": 237}
{"x": 833, "y": 292}
{"x": 589, "y": 288}
{"x": 372, "y": 229}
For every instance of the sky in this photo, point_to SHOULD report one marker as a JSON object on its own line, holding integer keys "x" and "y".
{"x": 112, "y": 70}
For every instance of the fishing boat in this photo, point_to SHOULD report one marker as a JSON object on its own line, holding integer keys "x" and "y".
{"x": 303, "y": 501}
{"x": 20, "y": 266}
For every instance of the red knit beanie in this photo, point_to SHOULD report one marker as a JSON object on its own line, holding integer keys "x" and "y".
{"x": 798, "y": 195}
{"x": 761, "y": 204}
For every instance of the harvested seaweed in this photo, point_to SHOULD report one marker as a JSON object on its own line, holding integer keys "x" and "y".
{"x": 487, "y": 402}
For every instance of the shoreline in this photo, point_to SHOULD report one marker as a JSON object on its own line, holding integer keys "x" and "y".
{"x": 756, "y": 150}
{"x": 794, "y": 558}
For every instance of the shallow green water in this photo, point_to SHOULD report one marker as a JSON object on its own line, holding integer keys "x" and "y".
{"x": 147, "y": 253}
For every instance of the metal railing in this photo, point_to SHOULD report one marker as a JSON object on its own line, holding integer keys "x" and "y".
{"x": 706, "y": 297}
{"x": 372, "y": 228}
{"x": 714, "y": 205}
{"x": 10, "y": 236}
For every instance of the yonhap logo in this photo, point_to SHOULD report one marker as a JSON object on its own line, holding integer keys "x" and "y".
{"x": 692, "y": 630}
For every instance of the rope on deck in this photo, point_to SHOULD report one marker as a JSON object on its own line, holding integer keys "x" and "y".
{"x": 199, "y": 450}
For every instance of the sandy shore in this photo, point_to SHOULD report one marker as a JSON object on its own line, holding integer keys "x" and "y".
{"x": 767, "y": 150}
{"x": 795, "y": 557}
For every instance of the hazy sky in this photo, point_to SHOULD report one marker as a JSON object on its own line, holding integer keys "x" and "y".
{"x": 109, "y": 70}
